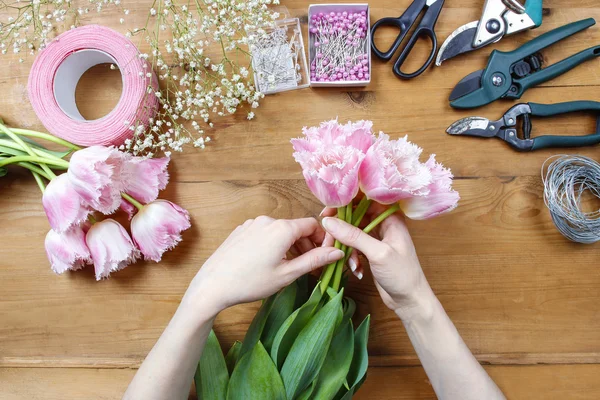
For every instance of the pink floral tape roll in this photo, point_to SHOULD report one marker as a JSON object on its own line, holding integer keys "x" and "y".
{"x": 57, "y": 70}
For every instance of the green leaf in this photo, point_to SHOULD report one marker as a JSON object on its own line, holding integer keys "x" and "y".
{"x": 349, "y": 308}
{"x": 233, "y": 355}
{"x": 309, "y": 350}
{"x": 307, "y": 392}
{"x": 11, "y": 151}
{"x": 255, "y": 377}
{"x": 282, "y": 308}
{"x": 3, "y": 171}
{"x": 34, "y": 144}
{"x": 360, "y": 361}
{"x": 256, "y": 326}
{"x": 337, "y": 363}
{"x": 292, "y": 326}
{"x": 211, "y": 376}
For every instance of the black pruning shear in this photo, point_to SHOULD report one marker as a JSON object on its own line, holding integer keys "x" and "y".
{"x": 431, "y": 11}
{"x": 506, "y": 127}
{"x": 509, "y": 75}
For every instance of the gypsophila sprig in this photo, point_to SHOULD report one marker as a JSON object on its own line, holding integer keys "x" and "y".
{"x": 28, "y": 25}
{"x": 199, "y": 50}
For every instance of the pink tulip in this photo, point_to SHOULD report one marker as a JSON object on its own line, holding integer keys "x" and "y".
{"x": 67, "y": 250}
{"x": 145, "y": 177}
{"x": 391, "y": 171}
{"x": 330, "y": 156}
{"x": 441, "y": 198}
{"x": 63, "y": 205}
{"x": 157, "y": 228}
{"x": 96, "y": 175}
{"x": 111, "y": 247}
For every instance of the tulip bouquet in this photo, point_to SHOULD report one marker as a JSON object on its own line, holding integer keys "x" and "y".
{"x": 97, "y": 179}
{"x": 302, "y": 346}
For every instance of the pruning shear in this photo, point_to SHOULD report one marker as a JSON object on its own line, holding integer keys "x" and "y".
{"x": 505, "y": 127}
{"x": 431, "y": 10}
{"x": 510, "y": 74}
{"x": 500, "y": 18}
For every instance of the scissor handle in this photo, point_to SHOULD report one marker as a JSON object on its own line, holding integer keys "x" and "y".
{"x": 419, "y": 33}
{"x": 403, "y": 22}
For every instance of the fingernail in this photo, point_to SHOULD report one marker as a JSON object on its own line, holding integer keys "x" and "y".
{"x": 359, "y": 275}
{"x": 322, "y": 212}
{"x": 352, "y": 265}
{"x": 329, "y": 223}
{"x": 335, "y": 255}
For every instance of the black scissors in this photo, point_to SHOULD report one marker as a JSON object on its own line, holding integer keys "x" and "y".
{"x": 405, "y": 22}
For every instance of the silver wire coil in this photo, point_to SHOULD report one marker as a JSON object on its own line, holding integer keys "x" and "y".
{"x": 566, "y": 178}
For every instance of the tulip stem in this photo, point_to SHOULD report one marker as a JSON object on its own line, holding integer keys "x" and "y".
{"x": 34, "y": 169}
{"x": 339, "y": 268}
{"x": 330, "y": 269}
{"x": 133, "y": 201}
{"x": 361, "y": 210}
{"x": 34, "y": 159}
{"x": 45, "y": 136}
{"x": 39, "y": 181}
{"x": 382, "y": 217}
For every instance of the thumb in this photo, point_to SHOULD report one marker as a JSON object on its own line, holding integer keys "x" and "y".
{"x": 353, "y": 237}
{"x": 314, "y": 259}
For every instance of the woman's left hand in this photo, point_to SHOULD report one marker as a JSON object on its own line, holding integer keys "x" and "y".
{"x": 251, "y": 264}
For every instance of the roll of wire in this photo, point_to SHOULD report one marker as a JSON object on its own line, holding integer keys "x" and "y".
{"x": 566, "y": 180}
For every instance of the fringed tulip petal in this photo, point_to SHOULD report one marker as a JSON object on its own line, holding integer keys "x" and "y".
{"x": 441, "y": 198}
{"x": 67, "y": 250}
{"x": 157, "y": 228}
{"x": 391, "y": 171}
{"x": 96, "y": 174}
{"x": 111, "y": 247}
{"x": 63, "y": 205}
{"x": 145, "y": 177}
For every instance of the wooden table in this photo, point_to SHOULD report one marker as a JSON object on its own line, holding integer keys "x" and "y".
{"x": 526, "y": 301}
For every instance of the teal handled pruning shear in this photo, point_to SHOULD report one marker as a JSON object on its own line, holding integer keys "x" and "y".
{"x": 500, "y": 18}
{"x": 506, "y": 127}
{"x": 510, "y": 74}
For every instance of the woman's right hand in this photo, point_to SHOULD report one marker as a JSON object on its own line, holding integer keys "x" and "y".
{"x": 392, "y": 257}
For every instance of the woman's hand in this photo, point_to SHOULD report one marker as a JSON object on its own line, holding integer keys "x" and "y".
{"x": 251, "y": 264}
{"x": 394, "y": 263}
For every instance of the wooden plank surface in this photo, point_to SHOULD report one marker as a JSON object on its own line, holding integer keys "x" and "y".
{"x": 519, "y": 293}
{"x": 542, "y": 382}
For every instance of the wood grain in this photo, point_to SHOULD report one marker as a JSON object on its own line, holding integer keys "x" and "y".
{"x": 525, "y": 299}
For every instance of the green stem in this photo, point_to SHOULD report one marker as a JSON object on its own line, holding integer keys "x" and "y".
{"x": 133, "y": 201}
{"x": 361, "y": 210}
{"x": 34, "y": 159}
{"x": 18, "y": 140}
{"x": 45, "y": 136}
{"x": 39, "y": 181}
{"x": 38, "y": 152}
{"x": 382, "y": 217}
{"x": 330, "y": 269}
{"x": 34, "y": 169}
{"x": 339, "y": 267}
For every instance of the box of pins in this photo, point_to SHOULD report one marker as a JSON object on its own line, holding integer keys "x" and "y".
{"x": 339, "y": 51}
{"x": 278, "y": 57}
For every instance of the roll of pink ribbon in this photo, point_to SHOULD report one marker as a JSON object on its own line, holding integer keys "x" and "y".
{"x": 57, "y": 70}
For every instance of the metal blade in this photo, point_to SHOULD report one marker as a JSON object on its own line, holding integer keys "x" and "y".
{"x": 459, "y": 42}
{"x": 473, "y": 126}
{"x": 468, "y": 84}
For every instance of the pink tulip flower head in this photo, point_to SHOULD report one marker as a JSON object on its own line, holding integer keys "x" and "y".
{"x": 145, "y": 177}
{"x": 157, "y": 228}
{"x": 111, "y": 247}
{"x": 96, "y": 175}
{"x": 440, "y": 199}
{"x": 63, "y": 205}
{"x": 330, "y": 156}
{"x": 391, "y": 171}
{"x": 67, "y": 250}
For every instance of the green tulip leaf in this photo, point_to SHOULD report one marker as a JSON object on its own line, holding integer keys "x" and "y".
{"x": 307, "y": 394}
{"x": 289, "y": 330}
{"x": 33, "y": 144}
{"x": 281, "y": 310}
{"x": 255, "y": 377}
{"x": 233, "y": 355}
{"x": 337, "y": 363}
{"x": 211, "y": 376}
{"x": 256, "y": 326}
{"x": 309, "y": 350}
{"x": 349, "y": 308}
{"x": 3, "y": 171}
{"x": 360, "y": 361}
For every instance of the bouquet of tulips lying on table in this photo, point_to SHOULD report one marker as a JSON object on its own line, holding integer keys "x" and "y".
{"x": 98, "y": 180}
{"x": 302, "y": 344}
